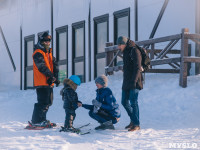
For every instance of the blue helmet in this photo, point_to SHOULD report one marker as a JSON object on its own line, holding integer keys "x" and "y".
{"x": 75, "y": 79}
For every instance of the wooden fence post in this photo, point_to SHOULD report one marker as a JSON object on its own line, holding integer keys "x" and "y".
{"x": 152, "y": 51}
{"x": 183, "y": 65}
{"x": 109, "y": 57}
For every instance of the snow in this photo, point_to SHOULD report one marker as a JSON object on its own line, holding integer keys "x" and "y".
{"x": 169, "y": 117}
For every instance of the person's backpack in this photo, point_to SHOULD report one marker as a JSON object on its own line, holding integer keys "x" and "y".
{"x": 145, "y": 58}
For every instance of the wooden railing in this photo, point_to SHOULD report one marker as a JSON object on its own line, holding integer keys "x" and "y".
{"x": 178, "y": 64}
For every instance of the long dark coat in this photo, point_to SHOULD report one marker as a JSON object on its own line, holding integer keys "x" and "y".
{"x": 132, "y": 76}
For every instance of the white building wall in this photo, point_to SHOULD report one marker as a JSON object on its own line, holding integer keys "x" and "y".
{"x": 35, "y": 16}
{"x": 10, "y": 23}
{"x": 67, "y": 13}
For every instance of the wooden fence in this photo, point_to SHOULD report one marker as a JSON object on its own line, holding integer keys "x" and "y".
{"x": 178, "y": 64}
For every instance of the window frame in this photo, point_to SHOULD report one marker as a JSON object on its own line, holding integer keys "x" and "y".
{"x": 97, "y": 20}
{"x": 27, "y": 68}
{"x": 120, "y": 14}
{"x": 78, "y": 25}
{"x": 59, "y": 30}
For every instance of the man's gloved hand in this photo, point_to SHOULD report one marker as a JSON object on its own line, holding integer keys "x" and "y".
{"x": 51, "y": 80}
{"x": 57, "y": 82}
{"x": 96, "y": 103}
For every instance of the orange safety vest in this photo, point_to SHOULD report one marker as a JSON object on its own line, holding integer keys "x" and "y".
{"x": 39, "y": 78}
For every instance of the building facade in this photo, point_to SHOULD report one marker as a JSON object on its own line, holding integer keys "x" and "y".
{"x": 80, "y": 29}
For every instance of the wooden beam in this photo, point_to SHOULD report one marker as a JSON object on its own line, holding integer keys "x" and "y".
{"x": 191, "y": 59}
{"x": 8, "y": 50}
{"x": 163, "y": 71}
{"x": 165, "y": 49}
{"x": 172, "y": 45}
{"x": 152, "y": 51}
{"x": 158, "y": 40}
{"x": 115, "y": 49}
{"x": 111, "y": 48}
{"x": 192, "y": 36}
{"x": 117, "y": 68}
{"x": 165, "y": 61}
{"x": 173, "y": 51}
{"x": 196, "y": 41}
{"x": 184, "y": 53}
{"x": 159, "y": 19}
{"x": 177, "y": 65}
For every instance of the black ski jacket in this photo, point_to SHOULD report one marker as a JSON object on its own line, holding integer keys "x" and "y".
{"x": 70, "y": 98}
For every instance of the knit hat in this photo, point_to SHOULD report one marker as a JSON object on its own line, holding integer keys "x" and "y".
{"x": 75, "y": 79}
{"x": 122, "y": 40}
{"x": 103, "y": 80}
{"x": 45, "y": 37}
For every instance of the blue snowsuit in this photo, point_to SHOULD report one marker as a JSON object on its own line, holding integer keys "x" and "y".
{"x": 109, "y": 109}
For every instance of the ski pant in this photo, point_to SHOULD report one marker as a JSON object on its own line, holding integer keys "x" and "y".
{"x": 44, "y": 100}
{"x": 130, "y": 103}
{"x": 70, "y": 115}
{"x": 102, "y": 117}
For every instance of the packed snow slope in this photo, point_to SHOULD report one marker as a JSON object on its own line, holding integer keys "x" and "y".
{"x": 168, "y": 113}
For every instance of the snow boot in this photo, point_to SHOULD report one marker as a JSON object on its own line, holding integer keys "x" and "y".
{"x": 134, "y": 128}
{"x": 105, "y": 125}
{"x": 70, "y": 129}
{"x": 44, "y": 124}
{"x": 129, "y": 126}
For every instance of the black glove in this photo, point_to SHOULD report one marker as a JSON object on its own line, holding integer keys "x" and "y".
{"x": 51, "y": 80}
{"x": 57, "y": 82}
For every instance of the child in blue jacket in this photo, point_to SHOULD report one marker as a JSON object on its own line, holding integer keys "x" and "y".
{"x": 105, "y": 108}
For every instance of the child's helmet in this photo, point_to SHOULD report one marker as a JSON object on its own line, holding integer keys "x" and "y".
{"x": 75, "y": 79}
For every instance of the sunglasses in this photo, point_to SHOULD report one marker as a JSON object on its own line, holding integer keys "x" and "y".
{"x": 47, "y": 40}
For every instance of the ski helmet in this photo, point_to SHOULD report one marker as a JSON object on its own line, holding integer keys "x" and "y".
{"x": 45, "y": 37}
{"x": 75, "y": 79}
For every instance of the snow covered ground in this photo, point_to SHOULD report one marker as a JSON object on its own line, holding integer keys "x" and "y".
{"x": 169, "y": 115}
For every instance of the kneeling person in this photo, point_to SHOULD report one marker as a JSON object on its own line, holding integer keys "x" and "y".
{"x": 105, "y": 108}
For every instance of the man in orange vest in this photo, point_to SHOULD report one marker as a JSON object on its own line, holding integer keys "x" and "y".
{"x": 45, "y": 71}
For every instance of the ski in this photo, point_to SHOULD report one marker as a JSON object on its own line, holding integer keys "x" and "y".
{"x": 30, "y": 126}
{"x": 83, "y": 133}
{"x": 83, "y": 126}
{"x": 75, "y": 130}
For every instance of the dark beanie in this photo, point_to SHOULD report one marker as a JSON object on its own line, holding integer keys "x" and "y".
{"x": 122, "y": 40}
{"x": 103, "y": 80}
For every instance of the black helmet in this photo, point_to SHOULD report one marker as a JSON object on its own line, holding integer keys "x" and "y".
{"x": 45, "y": 37}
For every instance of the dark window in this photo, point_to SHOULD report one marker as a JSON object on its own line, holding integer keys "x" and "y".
{"x": 62, "y": 51}
{"x": 78, "y": 49}
{"x": 100, "y": 38}
{"x": 28, "y": 62}
{"x": 121, "y": 26}
{"x": 121, "y": 23}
